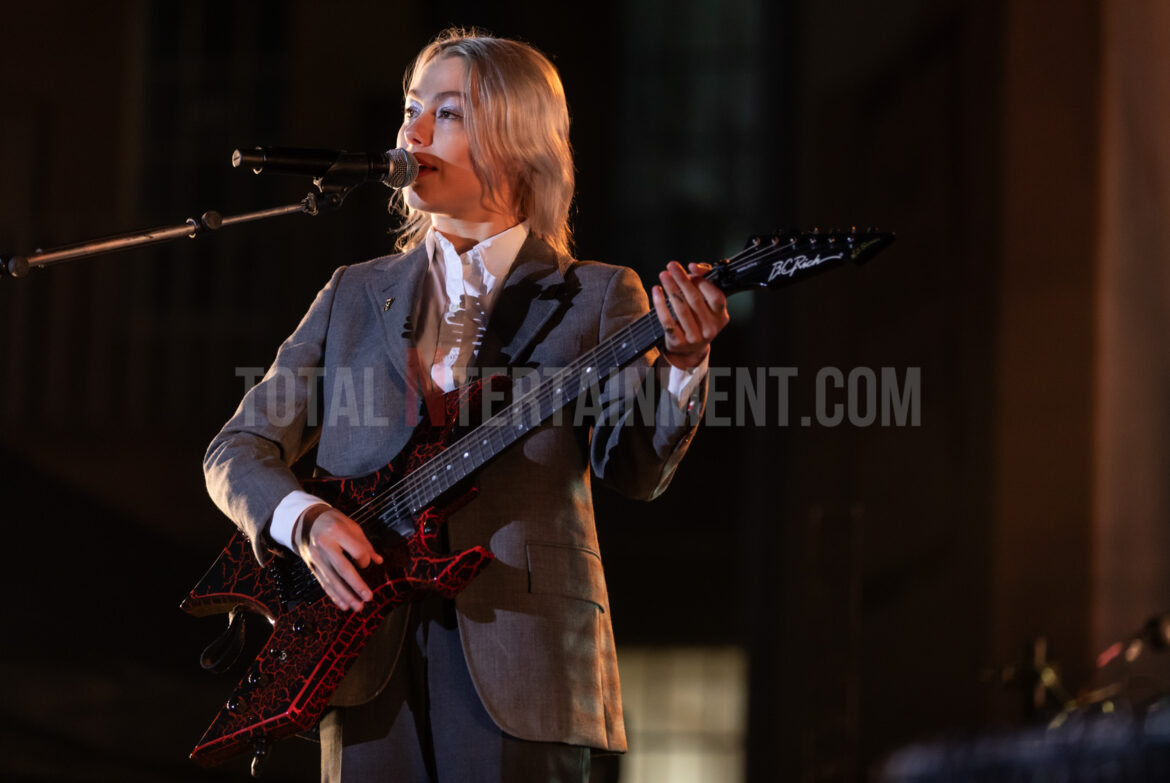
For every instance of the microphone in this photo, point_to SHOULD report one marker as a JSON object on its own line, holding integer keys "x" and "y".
{"x": 395, "y": 168}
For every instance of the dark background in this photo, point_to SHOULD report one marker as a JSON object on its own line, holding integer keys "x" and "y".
{"x": 872, "y": 574}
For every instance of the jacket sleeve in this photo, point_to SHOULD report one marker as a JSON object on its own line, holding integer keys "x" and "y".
{"x": 643, "y": 432}
{"x": 247, "y": 467}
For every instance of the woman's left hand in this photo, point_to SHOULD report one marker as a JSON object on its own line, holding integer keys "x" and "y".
{"x": 700, "y": 313}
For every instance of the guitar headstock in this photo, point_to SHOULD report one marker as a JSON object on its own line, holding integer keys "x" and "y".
{"x": 770, "y": 261}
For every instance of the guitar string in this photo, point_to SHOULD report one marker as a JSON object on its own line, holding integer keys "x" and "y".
{"x": 408, "y": 496}
{"x": 412, "y": 486}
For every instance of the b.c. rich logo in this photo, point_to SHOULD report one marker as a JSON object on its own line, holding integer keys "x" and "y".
{"x": 787, "y": 267}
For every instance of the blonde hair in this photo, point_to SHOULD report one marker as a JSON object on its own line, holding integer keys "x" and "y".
{"x": 517, "y": 126}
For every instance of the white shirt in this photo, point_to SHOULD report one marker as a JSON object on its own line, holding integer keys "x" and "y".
{"x": 462, "y": 294}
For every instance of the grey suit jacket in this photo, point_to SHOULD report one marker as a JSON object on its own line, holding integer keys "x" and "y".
{"x": 535, "y": 623}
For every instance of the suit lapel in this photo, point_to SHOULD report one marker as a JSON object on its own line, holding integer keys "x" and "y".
{"x": 526, "y": 302}
{"x": 396, "y": 296}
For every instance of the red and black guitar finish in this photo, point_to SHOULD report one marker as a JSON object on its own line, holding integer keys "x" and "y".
{"x": 402, "y": 506}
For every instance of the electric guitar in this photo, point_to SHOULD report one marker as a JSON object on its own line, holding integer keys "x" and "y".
{"x": 402, "y": 507}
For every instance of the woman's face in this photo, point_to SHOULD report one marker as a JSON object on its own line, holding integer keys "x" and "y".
{"x": 433, "y": 129}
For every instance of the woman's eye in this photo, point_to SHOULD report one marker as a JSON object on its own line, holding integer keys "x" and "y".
{"x": 447, "y": 114}
{"x": 410, "y": 112}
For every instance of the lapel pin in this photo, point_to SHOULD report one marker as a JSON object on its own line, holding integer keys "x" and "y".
{"x": 386, "y": 306}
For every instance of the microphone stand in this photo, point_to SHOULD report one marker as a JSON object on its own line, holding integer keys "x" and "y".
{"x": 330, "y": 197}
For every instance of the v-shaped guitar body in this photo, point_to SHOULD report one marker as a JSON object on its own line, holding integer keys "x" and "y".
{"x": 313, "y": 642}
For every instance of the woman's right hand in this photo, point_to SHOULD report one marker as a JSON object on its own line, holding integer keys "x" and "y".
{"x": 331, "y": 544}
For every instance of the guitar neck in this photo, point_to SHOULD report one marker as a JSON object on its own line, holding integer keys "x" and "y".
{"x": 767, "y": 262}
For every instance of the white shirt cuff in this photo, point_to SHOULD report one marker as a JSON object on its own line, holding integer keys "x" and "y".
{"x": 287, "y": 512}
{"x": 682, "y": 383}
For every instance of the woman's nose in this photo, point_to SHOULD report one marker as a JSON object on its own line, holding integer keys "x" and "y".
{"x": 416, "y": 131}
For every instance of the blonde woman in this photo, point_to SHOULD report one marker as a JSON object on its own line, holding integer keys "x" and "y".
{"x": 516, "y": 678}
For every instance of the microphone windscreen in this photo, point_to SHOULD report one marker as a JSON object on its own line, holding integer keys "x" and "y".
{"x": 403, "y": 168}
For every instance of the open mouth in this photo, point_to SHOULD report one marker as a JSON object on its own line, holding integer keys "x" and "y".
{"x": 425, "y": 167}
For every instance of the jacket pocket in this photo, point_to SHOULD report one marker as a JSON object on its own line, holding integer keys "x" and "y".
{"x": 569, "y": 571}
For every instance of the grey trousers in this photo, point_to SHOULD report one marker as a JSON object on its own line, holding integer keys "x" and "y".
{"x": 429, "y": 726}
